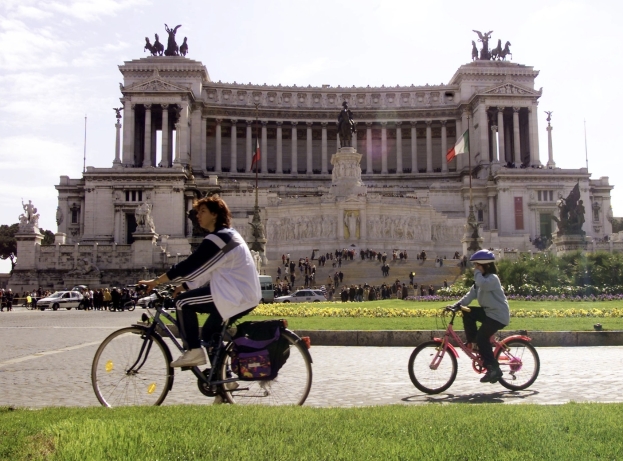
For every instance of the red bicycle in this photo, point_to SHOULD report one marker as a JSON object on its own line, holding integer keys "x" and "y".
{"x": 433, "y": 364}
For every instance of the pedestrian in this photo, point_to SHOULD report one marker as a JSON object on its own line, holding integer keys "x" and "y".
{"x": 493, "y": 313}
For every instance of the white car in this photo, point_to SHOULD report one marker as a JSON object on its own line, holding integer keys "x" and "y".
{"x": 147, "y": 301}
{"x": 65, "y": 299}
{"x": 302, "y": 296}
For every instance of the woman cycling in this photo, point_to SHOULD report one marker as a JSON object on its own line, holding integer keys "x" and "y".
{"x": 494, "y": 313}
{"x": 219, "y": 279}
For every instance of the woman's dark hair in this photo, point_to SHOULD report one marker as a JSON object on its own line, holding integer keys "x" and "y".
{"x": 216, "y": 205}
{"x": 489, "y": 268}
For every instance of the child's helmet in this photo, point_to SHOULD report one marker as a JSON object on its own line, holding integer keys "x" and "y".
{"x": 483, "y": 257}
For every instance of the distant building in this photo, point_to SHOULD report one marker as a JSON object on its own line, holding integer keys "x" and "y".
{"x": 184, "y": 135}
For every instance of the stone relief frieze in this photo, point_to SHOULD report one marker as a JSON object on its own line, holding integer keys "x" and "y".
{"x": 301, "y": 228}
{"x": 396, "y": 228}
{"x": 444, "y": 233}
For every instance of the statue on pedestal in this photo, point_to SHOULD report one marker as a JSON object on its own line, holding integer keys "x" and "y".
{"x": 144, "y": 220}
{"x": 346, "y": 126}
{"x": 29, "y": 220}
{"x": 572, "y": 212}
{"x": 172, "y": 48}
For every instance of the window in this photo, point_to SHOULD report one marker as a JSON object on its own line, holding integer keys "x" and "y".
{"x": 518, "y": 213}
{"x": 134, "y": 196}
{"x": 480, "y": 216}
{"x": 545, "y": 195}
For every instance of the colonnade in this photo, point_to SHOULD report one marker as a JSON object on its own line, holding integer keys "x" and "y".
{"x": 435, "y": 155}
{"x": 516, "y": 141}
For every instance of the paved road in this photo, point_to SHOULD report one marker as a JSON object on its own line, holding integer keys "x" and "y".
{"x": 45, "y": 360}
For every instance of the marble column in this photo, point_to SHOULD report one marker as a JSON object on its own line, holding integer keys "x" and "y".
{"x": 369, "y": 169}
{"x": 117, "y": 161}
{"x": 550, "y": 147}
{"x": 324, "y": 148}
{"x": 294, "y": 163}
{"x": 219, "y": 142}
{"x": 176, "y": 161}
{"x": 414, "y": 167}
{"x": 534, "y": 136}
{"x": 249, "y": 152}
{"x": 183, "y": 135}
{"x": 466, "y": 125}
{"x": 128, "y": 133}
{"x": 517, "y": 146}
{"x": 354, "y": 142}
{"x": 166, "y": 137}
{"x": 444, "y": 146}
{"x": 264, "y": 151}
{"x": 483, "y": 127}
{"x": 429, "y": 146}
{"x": 494, "y": 144}
{"x": 384, "y": 147}
{"x": 491, "y": 212}
{"x": 460, "y": 129}
{"x": 279, "y": 147}
{"x": 399, "y": 147}
{"x": 309, "y": 169}
{"x": 204, "y": 144}
{"x": 147, "y": 143}
{"x": 337, "y": 138}
{"x": 501, "y": 145}
{"x": 233, "y": 163}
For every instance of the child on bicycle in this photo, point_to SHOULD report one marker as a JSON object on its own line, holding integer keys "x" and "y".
{"x": 219, "y": 278}
{"x": 493, "y": 314}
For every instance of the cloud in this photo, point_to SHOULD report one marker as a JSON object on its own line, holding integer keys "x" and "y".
{"x": 91, "y": 10}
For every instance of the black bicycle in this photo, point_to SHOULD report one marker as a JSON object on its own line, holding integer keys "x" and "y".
{"x": 132, "y": 366}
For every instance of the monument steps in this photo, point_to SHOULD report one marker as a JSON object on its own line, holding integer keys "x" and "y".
{"x": 367, "y": 271}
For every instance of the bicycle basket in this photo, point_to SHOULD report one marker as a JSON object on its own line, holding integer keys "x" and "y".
{"x": 259, "y": 350}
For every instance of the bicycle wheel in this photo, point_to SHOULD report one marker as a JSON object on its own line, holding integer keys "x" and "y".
{"x": 131, "y": 370}
{"x": 431, "y": 370}
{"x": 290, "y": 387}
{"x": 520, "y": 364}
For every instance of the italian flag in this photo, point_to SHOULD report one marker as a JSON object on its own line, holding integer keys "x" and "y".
{"x": 461, "y": 147}
{"x": 256, "y": 155}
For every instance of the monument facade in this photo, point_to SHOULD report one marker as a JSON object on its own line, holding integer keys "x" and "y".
{"x": 386, "y": 186}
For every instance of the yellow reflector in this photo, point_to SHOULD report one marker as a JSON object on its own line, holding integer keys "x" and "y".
{"x": 109, "y": 366}
{"x": 151, "y": 388}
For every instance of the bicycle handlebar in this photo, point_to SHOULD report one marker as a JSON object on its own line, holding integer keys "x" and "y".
{"x": 452, "y": 308}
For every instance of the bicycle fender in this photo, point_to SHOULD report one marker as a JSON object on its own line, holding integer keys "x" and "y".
{"x": 511, "y": 338}
{"x": 451, "y": 348}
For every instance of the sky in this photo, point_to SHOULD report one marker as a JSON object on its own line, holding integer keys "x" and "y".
{"x": 59, "y": 58}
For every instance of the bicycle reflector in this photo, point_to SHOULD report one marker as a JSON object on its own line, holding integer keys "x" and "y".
{"x": 284, "y": 323}
{"x": 307, "y": 341}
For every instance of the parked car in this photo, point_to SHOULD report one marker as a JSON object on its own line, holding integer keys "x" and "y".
{"x": 302, "y": 296}
{"x": 65, "y": 299}
{"x": 147, "y": 301}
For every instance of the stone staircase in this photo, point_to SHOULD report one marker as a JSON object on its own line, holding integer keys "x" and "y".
{"x": 369, "y": 271}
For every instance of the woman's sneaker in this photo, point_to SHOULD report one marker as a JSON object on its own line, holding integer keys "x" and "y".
{"x": 191, "y": 358}
{"x": 492, "y": 376}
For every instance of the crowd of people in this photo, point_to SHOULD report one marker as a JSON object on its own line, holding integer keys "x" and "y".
{"x": 99, "y": 299}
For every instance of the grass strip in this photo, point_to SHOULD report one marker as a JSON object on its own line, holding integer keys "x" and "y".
{"x": 431, "y": 432}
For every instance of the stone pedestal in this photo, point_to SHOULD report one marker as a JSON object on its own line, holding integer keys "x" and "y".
{"x": 143, "y": 248}
{"x": 28, "y": 244}
{"x": 570, "y": 243}
{"x": 346, "y": 176}
{"x": 60, "y": 238}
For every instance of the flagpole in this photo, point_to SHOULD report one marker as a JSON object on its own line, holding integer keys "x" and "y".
{"x": 585, "y": 145}
{"x": 257, "y": 141}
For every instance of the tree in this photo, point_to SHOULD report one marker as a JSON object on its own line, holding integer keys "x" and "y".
{"x": 617, "y": 225}
{"x": 8, "y": 243}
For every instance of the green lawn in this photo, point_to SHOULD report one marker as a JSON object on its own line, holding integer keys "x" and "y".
{"x": 431, "y": 323}
{"x": 427, "y": 432}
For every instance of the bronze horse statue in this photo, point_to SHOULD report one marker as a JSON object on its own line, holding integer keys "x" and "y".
{"x": 506, "y": 51}
{"x": 346, "y": 126}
